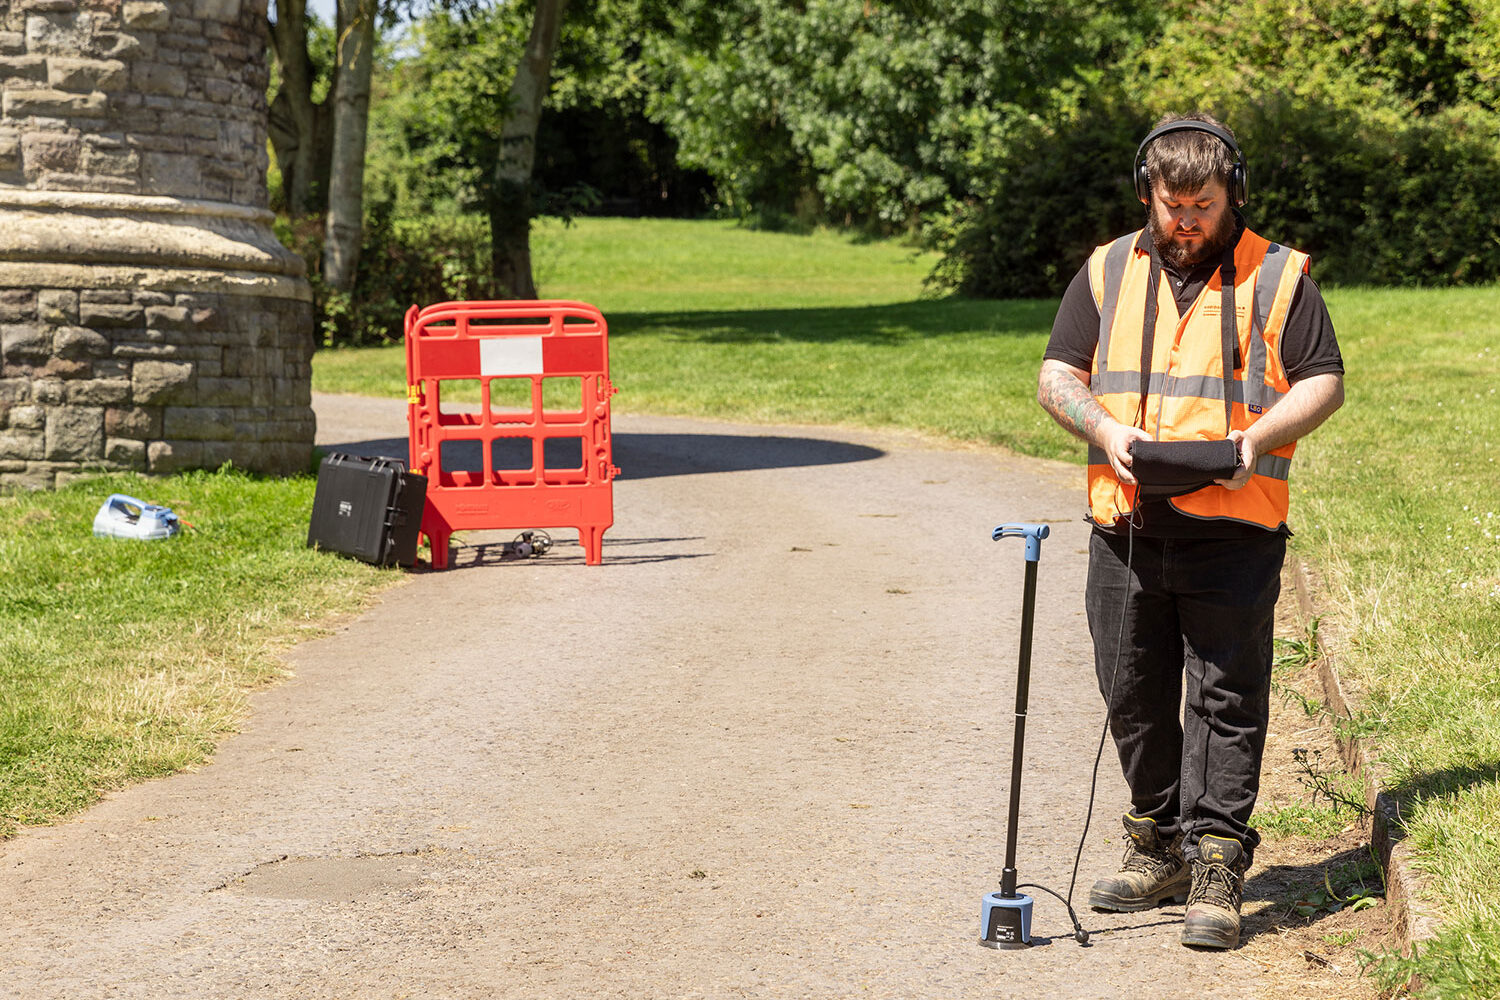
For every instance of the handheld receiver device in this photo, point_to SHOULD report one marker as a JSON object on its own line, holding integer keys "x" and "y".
{"x": 1172, "y": 468}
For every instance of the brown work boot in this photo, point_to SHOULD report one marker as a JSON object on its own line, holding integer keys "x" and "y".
{"x": 1213, "y": 914}
{"x": 1150, "y": 872}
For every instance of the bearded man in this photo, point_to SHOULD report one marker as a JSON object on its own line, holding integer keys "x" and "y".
{"x": 1192, "y": 329}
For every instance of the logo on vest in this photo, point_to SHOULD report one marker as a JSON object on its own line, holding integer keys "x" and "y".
{"x": 1212, "y": 309}
{"x": 1256, "y": 408}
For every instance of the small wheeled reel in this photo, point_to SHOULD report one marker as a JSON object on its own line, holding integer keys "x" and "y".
{"x": 531, "y": 543}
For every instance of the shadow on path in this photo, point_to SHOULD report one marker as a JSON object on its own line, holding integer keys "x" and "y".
{"x": 878, "y": 326}
{"x": 564, "y": 552}
{"x": 648, "y": 456}
{"x": 1283, "y": 885}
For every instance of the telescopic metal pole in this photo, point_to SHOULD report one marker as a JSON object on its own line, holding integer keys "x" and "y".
{"x": 1023, "y": 684}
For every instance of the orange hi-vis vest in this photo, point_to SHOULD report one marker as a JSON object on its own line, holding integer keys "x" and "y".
{"x": 1185, "y": 399}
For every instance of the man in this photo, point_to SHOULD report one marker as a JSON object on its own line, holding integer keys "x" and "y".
{"x": 1185, "y": 582}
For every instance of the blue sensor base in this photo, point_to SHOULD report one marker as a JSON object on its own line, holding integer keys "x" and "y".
{"x": 1005, "y": 921}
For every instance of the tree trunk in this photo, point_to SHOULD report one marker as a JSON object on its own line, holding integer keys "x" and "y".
{"x": 297, "y": 126}
{"x": 351, "y": 119}
{"x": 512, "y": 201}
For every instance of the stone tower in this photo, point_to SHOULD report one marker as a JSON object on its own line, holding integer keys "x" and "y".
{"x": 149, "y": 319}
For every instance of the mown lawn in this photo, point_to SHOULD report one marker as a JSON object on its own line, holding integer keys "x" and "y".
{"x": 123, "y": 660}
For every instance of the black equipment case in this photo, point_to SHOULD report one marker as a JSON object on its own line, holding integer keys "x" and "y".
{"x": 368, "y": 508}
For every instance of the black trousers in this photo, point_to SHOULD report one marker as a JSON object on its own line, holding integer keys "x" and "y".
{"x": 1200, "y": 609}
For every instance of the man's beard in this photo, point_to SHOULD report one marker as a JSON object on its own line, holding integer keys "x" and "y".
{"x": 1210, "y": 246}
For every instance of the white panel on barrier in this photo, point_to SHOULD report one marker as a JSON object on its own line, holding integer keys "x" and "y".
{"x": 510, "y": 356}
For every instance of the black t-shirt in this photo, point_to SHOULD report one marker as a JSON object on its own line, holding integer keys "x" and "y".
{"x": 1308, "y": 347}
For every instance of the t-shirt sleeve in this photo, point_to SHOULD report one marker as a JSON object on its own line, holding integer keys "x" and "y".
{"x": 1075, "y": 330}
{"x": 1308, "y": 344}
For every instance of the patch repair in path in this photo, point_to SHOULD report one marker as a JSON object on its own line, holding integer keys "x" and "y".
{"x": 334, "y": 880}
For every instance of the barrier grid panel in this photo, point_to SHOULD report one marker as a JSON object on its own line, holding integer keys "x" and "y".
{"x": 535, "y": 452}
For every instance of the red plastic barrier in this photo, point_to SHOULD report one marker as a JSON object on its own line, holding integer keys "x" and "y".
{"x": 537, "y": 452}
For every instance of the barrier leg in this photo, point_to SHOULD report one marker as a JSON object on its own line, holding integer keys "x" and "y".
{"x": 437, "y": 540}
{"x": 437, "y": 531}
{"x": 592, "y": 538}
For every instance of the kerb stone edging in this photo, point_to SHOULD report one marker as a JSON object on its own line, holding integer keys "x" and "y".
{"x": 1414, "y": 919}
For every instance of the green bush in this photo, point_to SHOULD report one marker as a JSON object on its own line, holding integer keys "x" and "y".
{"x": 1370, "y": 131}
{"x": 402, "y": 262}
{"x": 1374, "y": 196}
{"x": 1055, "y": 193}
{"x": 1434, "y": 218}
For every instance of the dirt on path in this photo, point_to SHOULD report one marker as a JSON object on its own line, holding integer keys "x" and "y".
{"x": 762, "y": 751}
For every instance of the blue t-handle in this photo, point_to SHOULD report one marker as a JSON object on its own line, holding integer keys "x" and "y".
{"x": 1033, "y": 533}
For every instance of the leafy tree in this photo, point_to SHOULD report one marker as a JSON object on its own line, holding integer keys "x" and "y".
{"x": 300, "y": 121}
{"x": 438, "y": 112}
{"x": 464, "y": 141}
{"x": 356, "y": 60}
{"x": 319, "y": 116}
{"x": 872, "y": 112}
{"x": 511, "y": 202}
{"x": 599, "y": 133}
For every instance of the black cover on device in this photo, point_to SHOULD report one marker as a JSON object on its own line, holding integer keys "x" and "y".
{"x": 1172, "y": 468}
{"x": 368, "y": 508}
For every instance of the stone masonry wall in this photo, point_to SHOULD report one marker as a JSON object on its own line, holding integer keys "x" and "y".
{"x": 149, "y": 381}
{"x": 149, "y": 319}
{"x": 135, "y": 96}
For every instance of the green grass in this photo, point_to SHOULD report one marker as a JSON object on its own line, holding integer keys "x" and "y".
{"x": 1297, "y": 820}
{"x": 1399, "y": 503}
{"x": 124, "y": 660}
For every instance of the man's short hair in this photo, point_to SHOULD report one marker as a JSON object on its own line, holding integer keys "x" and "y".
{"x": 1186, "y": 161}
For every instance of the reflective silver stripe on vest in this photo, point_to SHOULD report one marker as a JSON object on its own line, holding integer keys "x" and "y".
{"x": 1194, "y": 386}
{"x": 1097, "y": 456}
{"x": 1115, "y": 260}
{"x": 1273, "y": 467}
{"x": 1266, "y": 284}
{"x": 1170, "y": 386}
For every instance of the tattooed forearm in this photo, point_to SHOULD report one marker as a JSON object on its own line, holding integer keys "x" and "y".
{"x": 1069, "y": 402}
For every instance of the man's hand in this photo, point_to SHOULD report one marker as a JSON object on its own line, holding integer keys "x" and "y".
{"x": 1247, "y": 462}
{"x": 1116, "y": 439}
{"x": 1309, "y": 403}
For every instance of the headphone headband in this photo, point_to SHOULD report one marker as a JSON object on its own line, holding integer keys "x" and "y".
{"x": 1239, "y": 186}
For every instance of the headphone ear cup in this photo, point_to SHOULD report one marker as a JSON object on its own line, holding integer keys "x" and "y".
{"x": 1142, "y": 181}
{"x": 1241, "y": 192}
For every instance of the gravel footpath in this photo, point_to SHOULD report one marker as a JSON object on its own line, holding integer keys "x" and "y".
{"x": 762, "y": 751}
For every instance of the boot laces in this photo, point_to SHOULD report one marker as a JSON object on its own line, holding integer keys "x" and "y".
{"x": 1216, "y": 885}
{"x": 1147, "y": 862}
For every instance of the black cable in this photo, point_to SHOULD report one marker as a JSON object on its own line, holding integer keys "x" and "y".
{"x": 1147, "y": 363}
{"x": 1079, "y": 934}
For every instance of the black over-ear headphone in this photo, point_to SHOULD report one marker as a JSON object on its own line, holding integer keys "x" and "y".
{"x": 1239, "y": 182}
